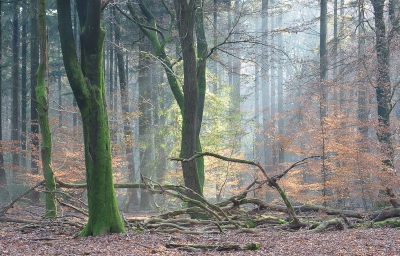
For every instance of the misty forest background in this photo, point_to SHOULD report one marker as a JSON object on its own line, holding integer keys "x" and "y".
{"x": 279, "y": 88}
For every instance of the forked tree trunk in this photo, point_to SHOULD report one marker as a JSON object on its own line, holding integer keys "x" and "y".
{"x": 87, "y": 83}
{"x": 160, "y": 52}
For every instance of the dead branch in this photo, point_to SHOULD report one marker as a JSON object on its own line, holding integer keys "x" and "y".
{"x": 303, "y": 161}
{"x": 324, "y": 225}
{"x": 72, "y": 207}
{"x": 271, "y": 182}
{"x": 6, "y": 208}
{"x": 6, "y": 219}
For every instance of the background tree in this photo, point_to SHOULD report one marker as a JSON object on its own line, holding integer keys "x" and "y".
{"x": 4, "y": 195}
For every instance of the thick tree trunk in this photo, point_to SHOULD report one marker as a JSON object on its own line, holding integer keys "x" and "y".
{"x": 186, "y": 17}
{"x": 383, "y": 86}
{"x": 383, "y": 91}
{"x": 87, "y": 83}
{"x": 159, "y": 50}
{"x": 42, "y": 95}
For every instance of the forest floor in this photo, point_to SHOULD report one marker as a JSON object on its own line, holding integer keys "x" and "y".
{"x": 23, "y": 239}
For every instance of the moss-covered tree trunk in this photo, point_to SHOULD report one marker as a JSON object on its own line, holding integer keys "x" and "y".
{"x": 202, "y": 51}
{"x": 42, "y": 96}
{"x": 87, "y": 83}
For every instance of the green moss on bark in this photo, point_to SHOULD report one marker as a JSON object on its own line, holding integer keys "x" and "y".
{"x": 87, "y": 83}
{"x": 42, "y": 99}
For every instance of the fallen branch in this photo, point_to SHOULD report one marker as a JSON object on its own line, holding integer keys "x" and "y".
{"x": 6, "y": 208}
{"x": 324, "y": 225}
{"x": 72, "y": 207}
{"x": 271, "y": 182}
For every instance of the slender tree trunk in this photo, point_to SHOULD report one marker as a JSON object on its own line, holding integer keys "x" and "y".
{"x": 273, "y": 58}
{"x": 265, "y": 87}
{"x": 42, "y": 94}
{"x": 87, "y": 83}
{"x": 24, "y": 100}
{"x": 4, "y": 194}
{"x": 60, "y": 116}
{"x": 215, "y": 42}
{"x": 15, "y": 88}
{"x": 281, "y": 152}
{"x": 202, "y": 51}
{"x": 257, "y": 82}
{"x": 124, "y": 91}
{"x": 145, "y": 121}
{"x": 78, "y": 51}
{"x": 34, "y": 42}
{"x": 323, "y": 92}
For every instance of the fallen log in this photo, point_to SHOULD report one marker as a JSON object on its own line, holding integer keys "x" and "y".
{"x": 324, "y": 225}
{"x": 388, "y": 214}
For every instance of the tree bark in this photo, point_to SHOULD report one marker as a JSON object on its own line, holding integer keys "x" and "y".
{"x": 23, "y": 82}
{"x": 185, "y": 19}
{"x": 160, "y": 52}
{"x": 4, "y": 194}
{"x": 34, "y": 115}
{"x": 42, "y": 94}
{"x": 383, "y": 91}
{"x": 87, "y": 83}
{"x": 15, "y": 88}
{"x": 323, "y": 104}
{"x": 383, "y": 86}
